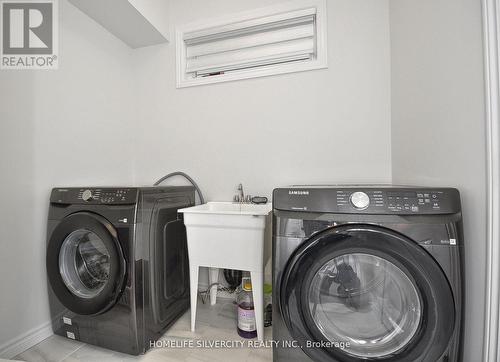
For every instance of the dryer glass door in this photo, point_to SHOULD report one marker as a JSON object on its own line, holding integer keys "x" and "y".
{"x": 85, "y": 263}
{"x": 363, "y": 292}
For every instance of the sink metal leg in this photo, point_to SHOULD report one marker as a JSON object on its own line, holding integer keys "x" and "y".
{"x": 258, "y": 301}
{"x": 193, "y": 279}
{"x": 213, "y": 277}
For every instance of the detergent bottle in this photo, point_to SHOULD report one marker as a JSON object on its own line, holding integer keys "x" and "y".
{"x": 246, "y": 313}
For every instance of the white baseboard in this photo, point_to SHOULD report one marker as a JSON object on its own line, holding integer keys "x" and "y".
{"x": 25, "y": 341}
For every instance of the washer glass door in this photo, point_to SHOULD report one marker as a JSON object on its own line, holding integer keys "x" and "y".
{"x": 363, "y": 292}
{"x": 84, "y": 263}
{"x": 367, "y": 301}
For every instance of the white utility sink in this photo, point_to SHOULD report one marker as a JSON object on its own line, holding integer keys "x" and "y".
{"x": 229, "y": 208}
{"x": 231, "y": 236}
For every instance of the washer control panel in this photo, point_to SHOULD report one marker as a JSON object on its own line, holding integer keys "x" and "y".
{"x": 414, "y": 201}
{"x": 369, "y": 200}
{"x": 98, "y": 195}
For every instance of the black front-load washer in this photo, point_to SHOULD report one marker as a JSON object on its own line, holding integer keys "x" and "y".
{"x": 117, "y": 264}
{"x": 367, "y": 273}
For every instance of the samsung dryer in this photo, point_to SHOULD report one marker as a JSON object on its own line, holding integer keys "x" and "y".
{"x": 117, "y": 264}
{"x": 367, "y": 273}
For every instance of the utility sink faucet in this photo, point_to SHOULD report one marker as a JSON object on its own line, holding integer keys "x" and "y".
{"x": 241, "y": 194}
{"x": 240, "y": 197}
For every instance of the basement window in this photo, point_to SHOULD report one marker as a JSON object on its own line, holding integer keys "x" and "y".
{"x": 284, "y": 38}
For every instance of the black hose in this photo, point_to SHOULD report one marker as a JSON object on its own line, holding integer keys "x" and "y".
{"x": 186, "y": 176}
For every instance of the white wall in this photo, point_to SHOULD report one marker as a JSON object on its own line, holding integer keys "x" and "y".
{"x": 322, "y": 126}
{"x": 438, "y": 127}
{"x": 66, "y": 127}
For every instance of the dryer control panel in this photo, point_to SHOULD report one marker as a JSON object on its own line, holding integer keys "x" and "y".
{"x": 94, "y": 195}
{"x": 368, "y": 200}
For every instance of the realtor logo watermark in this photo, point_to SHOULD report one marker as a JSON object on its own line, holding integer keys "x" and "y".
{"x": 29, "y": 34}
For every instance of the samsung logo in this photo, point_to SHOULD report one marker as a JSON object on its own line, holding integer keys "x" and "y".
{"x": 298, "y": 192}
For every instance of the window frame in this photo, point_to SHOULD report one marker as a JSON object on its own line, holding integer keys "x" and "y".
{"x": 320, "y": 61}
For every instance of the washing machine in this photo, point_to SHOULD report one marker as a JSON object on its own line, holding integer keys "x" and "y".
{"x": 117, "y": 264}
{"x": 369, "y": 273}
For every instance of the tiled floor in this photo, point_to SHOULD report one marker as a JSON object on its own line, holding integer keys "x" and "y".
{"x": 213, "y": 323}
